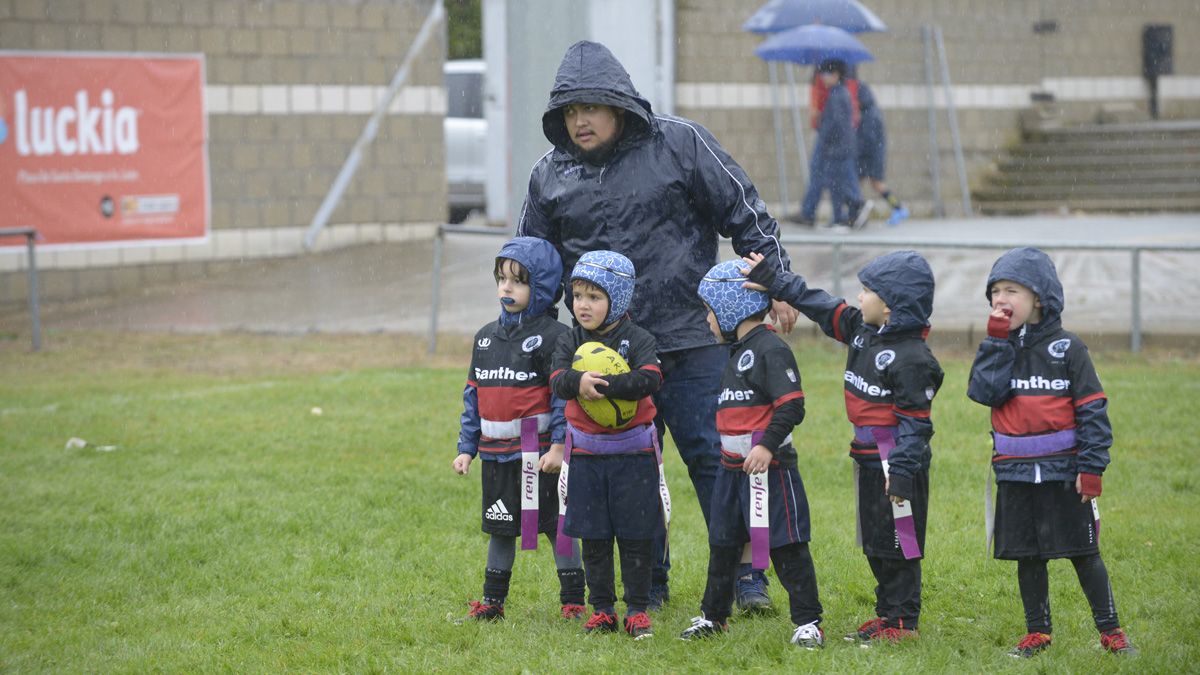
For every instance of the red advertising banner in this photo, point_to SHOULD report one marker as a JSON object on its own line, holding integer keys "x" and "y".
{"x": 98, "y": 148}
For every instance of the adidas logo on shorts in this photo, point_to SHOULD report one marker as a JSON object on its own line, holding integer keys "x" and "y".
{"x": 497, "y": 512}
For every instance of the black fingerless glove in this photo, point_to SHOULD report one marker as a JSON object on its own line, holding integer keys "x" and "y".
{"x": 763, "y": 274}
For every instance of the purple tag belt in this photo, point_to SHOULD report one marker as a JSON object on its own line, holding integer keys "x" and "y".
{"x": 627, "y": 442}
{"x": 1034, "y": 446}
{"x": 866, "y": 435}
{"x": 902, "y": 515}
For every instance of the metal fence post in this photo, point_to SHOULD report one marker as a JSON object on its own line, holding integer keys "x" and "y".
{"x": 959, "y": 163}
{"x": 798, "y": 127}
{"x": 34, "y": 310}
{"x": 837, "y": 269}
{"x": 1135, "y": 276}
{"x": 935, "y": 170}
{"x": 780, "y": 159}
{"x": 435, "y": 300}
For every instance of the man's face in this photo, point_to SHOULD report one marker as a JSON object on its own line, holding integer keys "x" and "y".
{"x": 592, "y": 125}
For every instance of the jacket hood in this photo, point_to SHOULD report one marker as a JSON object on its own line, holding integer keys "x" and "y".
{"x": 589, "y": 73}
{"x": 1033, "y": 269}
{"x": 904, "y": 281}
{"x": 544, "y": 265}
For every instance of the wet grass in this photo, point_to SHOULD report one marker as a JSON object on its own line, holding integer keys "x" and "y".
{"x": 232, "y": 529}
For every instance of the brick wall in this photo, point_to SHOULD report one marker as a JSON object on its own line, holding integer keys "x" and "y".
{"x": 995, "y": 61}
{"x": 290, "y": 86}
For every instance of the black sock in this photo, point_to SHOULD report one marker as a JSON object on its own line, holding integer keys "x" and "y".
{"x": 570, "y": 583}
{"x": 1034, "y": 582}
{"x": 495, "y": 586}
{"x": 1093, "y": 577}
{"x": 891, "y": 199}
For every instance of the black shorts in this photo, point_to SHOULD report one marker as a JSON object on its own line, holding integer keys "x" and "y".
{"x": 613, "y": 496}
{"x": 875, "y": 513}
{"x": 502, "y": 499}
{"x": 787, "y": 508}
{"x": 1043, "y": 521}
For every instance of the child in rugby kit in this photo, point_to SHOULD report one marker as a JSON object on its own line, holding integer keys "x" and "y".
{"x": 1051, "y": 437}
{"x": 890, "y": 381}
{"x": 613, "y": 475}
{"x": 513, "y": 422}
{"x": 758, "y": 497}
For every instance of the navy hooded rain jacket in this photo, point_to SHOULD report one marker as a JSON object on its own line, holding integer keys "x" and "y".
{"x": 661, "y": 198}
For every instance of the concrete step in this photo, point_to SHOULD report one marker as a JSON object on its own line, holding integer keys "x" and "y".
{"x": 1179, "y": 161}
{"x": 1106, "y": 175}
{"x": 1093, "y": 146}
{"x": 1099, "y": 205}
{"x": 1090, "y": 191}
{"x": 1139, "y": 131}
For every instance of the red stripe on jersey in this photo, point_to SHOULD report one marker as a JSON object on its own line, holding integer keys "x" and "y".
{"x": 507, "y": 446}
{"x": 743, "y": 419}
{"x": 472, "y": 383}
{"x": 1088, "y": 399}
{"x": 510, "y": 403}
{"x": 1024, "y": 415}
{"x": 788, "y": 397}
{"x": 922, "y": 414}
{"x": 867, "y": 414}
{"x": 837, "y": 324}
{"x": 651, "y": 367}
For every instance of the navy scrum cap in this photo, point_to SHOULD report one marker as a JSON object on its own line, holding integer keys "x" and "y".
{"x": 612, "y": 272}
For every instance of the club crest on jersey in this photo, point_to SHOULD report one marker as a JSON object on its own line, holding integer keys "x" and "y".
{"x": 531, "y": 343}
{"x": 791, "y": 374}
{"x": 883, "y": 358}
{"x": 484, "y": 343}
{"x": 1058, "y": 348}
{"x": 858, "y": 342}
{"x": 623, "y": 349}
{"x": 745, "y": 361}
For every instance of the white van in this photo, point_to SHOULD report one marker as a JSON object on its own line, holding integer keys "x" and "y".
{"x": 466, "y": 135}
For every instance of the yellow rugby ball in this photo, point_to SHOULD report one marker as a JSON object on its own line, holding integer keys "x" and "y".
{"x": 607, "y": 412}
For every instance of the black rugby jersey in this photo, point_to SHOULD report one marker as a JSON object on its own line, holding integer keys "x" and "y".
{"x": 761, "y": 376}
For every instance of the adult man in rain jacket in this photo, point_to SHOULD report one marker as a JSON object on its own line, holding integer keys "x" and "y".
{"x": 660, "y": 190}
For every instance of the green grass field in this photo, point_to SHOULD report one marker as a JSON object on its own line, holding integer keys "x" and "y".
{"x": 233, "y": 530}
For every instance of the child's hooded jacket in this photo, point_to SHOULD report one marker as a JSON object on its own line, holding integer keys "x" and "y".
{"x": 1040, "y": 381}
{"x": 509, "y": 378}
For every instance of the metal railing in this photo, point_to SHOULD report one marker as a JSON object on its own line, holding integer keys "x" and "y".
{"x": 840, "y": 242}
{"x": 1135, "y": 250}
{"x": 30, "y": 235}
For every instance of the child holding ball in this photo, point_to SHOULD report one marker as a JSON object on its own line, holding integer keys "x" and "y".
{"x": 612, "y": 474}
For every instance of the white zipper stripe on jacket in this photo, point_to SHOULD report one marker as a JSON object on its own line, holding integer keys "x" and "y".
{"x": 778, "y": 247}
{"x": 525, "y": 206}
